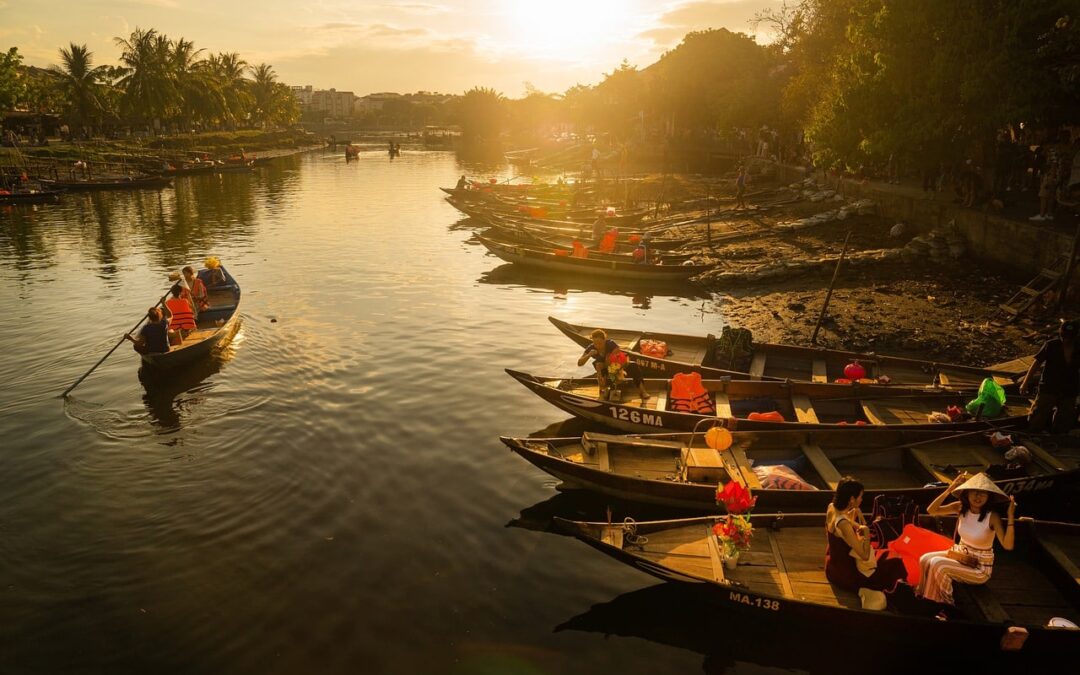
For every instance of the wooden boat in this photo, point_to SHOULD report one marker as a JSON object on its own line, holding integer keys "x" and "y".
{"x": 681, "y": 471}
{"x": 545, "y": 258}
{"x": 689, "y": 353}
{"x": 215, "y": 326}
{"x": 125, "y": 183}
{"x": 623, "y": 250}
{"x": 30, "y": 196}
{"x": 781, "y": 577}
{"x": 803, "y": 405}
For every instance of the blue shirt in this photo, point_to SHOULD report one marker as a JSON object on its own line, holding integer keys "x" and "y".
{"x": 156, "y": 336}
{"x": 610, "y": 347}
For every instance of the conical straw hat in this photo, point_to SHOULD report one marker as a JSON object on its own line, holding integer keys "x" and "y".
{"x": 981, "y": 481}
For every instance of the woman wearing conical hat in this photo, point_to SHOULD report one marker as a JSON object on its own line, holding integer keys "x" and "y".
{"x": 971, "y": 559}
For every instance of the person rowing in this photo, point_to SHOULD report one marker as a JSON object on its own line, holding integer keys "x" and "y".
{"x": 154, "y": 336}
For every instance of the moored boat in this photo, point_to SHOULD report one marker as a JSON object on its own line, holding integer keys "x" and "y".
{"x": 747, "y": 405}
{"x": 1021, "y": 608}
{"x": 30, "y": 196}
{"x": 125, "y": 183}
{"x": 546, "y": 258}
{"x": 215, "y": 325}
{"x": 765, "y": 361}
{"x": 790, "y": 470}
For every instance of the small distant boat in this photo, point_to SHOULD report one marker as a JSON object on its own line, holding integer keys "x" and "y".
{"x": 693, "y": 353}
{"x": 782, "y": 576}
{"x": 747, "y": 405}
{"x": 215, "y": 326}
{"x": 126, "y": 183}
{"x": 546, "y": 258}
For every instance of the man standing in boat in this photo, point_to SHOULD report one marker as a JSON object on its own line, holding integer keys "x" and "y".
{"x": 1059, "y": 382}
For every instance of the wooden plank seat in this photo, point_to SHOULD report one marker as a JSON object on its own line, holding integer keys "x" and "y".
{"x": 757, "y": 366}
{"x": 822, "y": 465}
{"x": 723, "y": 406}
{"x": 980, "y": 597}
{"x": 1044, "y": 456}
{"x": 820, "y": 372}
{"x": 804, "y": 409}
{"x": 937, "y": 460}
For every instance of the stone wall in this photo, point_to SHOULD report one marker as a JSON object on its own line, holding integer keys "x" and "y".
{"x": 1011, "y": 247}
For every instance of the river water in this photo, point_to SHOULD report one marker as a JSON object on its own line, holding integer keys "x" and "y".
{"x": 329, "y": 494}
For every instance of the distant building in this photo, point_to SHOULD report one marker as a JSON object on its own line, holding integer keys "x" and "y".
{"x": 329, "y": 102}
{"x": 374, "y": 101}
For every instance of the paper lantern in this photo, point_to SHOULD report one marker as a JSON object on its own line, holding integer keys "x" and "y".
{"x": 718, "y": 438}
{"x": 854, "y": 371}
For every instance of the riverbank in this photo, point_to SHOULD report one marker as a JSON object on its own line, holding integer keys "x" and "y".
{"x": 216, "y": 144}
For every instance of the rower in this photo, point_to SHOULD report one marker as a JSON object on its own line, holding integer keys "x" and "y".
{"x": 154, "y": 336}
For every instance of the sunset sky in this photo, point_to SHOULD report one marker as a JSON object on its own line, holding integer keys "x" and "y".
{"x": 379, "y": 45}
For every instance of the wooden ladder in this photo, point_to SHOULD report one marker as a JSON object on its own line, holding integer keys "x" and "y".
{"x": 1048, "y": 279}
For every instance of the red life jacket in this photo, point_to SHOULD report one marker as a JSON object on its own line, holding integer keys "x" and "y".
{"x": 689, "y": 395}
{"x": 182, "y": 316}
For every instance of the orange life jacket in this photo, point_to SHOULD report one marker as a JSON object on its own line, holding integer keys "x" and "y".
{"x": 579, "y": 250}
{"x": 607, "y": 242}
{"x": 182, "y": 316}
{"x": 689, "y": 395}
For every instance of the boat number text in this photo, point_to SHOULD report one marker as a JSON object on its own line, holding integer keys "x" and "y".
{"x": 1031, "y": 485}
{"x": 763, "y": 603}
{"x": 636, "y": 416}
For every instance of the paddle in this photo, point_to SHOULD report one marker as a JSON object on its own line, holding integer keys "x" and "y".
{"x": 109, "y": 353}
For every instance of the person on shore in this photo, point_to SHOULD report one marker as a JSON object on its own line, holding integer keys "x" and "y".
{"x": 154, "y": 336}
{"x": 1047, "y": 193}
{"x": 850, "y": 561}
{"x": 200, "y": 300}
{"x": 740, "y": 188}
{"x": 1059, "y": 383}
{"x": 971, "y": 560}
{"x": 603, "y": 353}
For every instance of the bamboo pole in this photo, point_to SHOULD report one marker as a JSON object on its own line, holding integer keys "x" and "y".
{"x": 828, "y": 296}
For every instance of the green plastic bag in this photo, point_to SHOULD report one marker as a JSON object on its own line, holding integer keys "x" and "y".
{"x": 991, "y": 397}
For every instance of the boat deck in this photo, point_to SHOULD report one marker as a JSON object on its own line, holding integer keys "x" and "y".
{"x": 790, "y": 563}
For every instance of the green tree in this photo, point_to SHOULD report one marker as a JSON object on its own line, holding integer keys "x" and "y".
{"x": 481, "y": 113}
{"x": 149, "y": 89}
{"x": 228, "y": 69}
{"x": 11, "y": 84}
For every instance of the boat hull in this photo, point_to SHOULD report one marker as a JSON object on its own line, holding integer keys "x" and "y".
{"x": 531, "y": 257}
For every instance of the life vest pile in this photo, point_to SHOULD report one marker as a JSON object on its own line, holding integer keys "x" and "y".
{"x": 579, "y": 250}
{"x": 657, "y": 348}
{"x": 182, "y": 316}
{"x": 607, "y": 242}
{"x": 689, "y": 395}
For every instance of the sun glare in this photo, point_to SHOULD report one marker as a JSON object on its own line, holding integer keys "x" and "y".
{"x": 568, "y": 30}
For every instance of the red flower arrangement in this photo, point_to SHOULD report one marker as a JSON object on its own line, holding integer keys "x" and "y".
{"x": 735, "y": 531}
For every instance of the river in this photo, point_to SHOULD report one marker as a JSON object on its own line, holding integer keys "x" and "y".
{"x": 329, "y": 494}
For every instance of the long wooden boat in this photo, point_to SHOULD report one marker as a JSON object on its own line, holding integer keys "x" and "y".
{"x": 580, "y": 231}
{"x": 803, "y": 405}
{"x": 489, "y": 210}
{"x": 127, "y": 183}
{"x": 689, "y": 353}
{"x": 545, "y": 258}
{"x": 623, "y": 250}
{"x": 215, "y": 326}
{"x": 681, "y": 471}
{"x": 781, "y": 578}
{"x": 31, "y": 196}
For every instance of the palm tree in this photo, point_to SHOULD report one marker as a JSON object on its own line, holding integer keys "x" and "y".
{"x": 80, "y": 82}
{"x": 263, "y": 92}
{"x": 149, "y": 89}
{"x": 199, "y": 93}
{"x": 228, "y": 68}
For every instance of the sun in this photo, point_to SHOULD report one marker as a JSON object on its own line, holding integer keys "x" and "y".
{"x": 569, "y": 30}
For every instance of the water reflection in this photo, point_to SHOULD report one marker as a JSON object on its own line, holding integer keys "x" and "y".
{"x": 641, "y": 294}
{"x": 170, "y": 395}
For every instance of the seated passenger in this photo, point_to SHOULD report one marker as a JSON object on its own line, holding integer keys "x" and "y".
{"x": 154, "y": 336}
{"x": 602, "y": 350}
{"x": 199, "y": 299}
{"x": 971, "y": 560}
{"x": 850, "y": 561}
{"x": 183, "y": 318}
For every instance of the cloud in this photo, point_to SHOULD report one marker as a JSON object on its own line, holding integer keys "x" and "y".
{"x": 382, "y": 35}
{"x": 417, "y": 7}
{"x": 735, "y": 15}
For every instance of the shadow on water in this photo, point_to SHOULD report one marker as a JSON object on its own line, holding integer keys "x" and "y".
{"x": 169, "y": 395}
{"x": 641, "y": 294}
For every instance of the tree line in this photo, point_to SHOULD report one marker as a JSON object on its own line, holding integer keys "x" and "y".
{"x": 160, "y": 82}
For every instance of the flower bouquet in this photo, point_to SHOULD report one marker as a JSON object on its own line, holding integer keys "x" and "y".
{"x": 735, "y": 530}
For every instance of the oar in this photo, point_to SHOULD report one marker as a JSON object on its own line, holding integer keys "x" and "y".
{"x": 109, "y": 353}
